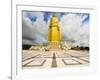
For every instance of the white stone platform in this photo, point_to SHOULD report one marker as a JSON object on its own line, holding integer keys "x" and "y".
{"x": 53, "y": 59}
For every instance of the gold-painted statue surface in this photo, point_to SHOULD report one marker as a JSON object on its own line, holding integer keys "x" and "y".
{"x": 54, "y": 33}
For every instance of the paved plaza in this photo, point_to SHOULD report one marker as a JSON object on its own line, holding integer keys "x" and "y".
{"x": 54, "y": 59}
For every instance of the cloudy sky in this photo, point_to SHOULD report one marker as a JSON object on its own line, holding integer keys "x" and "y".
{"x": 74, "y": 27}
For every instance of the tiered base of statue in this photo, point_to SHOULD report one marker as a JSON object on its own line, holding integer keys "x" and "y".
{"x": 54, "y": 46}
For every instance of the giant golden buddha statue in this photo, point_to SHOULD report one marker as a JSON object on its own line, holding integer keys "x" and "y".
{"x": 54, "y": 33}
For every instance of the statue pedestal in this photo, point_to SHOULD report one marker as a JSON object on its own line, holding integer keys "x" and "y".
{"x": 54, "y": 46}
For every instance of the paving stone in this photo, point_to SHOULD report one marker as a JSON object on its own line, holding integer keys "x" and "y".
{"x": 48, "y": 59}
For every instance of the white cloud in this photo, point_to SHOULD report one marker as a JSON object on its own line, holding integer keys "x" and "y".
{"x": 36, "y": 30}
{"x": 72, "y": 31}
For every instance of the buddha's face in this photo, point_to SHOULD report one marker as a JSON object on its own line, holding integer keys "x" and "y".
{"x": 54, "y": 21}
